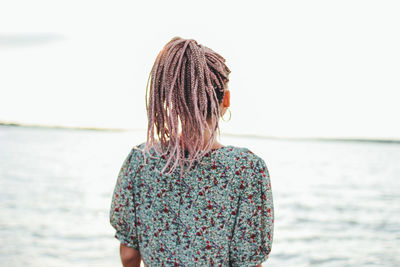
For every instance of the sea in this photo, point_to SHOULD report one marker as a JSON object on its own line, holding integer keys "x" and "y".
{"x": 336, "y": 203}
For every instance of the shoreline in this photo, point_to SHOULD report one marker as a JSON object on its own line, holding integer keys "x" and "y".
{"x": 250, "y": 136}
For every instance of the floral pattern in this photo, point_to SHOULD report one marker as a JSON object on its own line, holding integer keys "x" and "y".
{"x": 219, "y": 214}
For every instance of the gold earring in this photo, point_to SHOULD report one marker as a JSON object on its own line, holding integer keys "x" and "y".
{"x": 230, "y": 114}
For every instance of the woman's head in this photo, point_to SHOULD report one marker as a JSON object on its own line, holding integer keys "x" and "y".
{"x": 188, "y": 95}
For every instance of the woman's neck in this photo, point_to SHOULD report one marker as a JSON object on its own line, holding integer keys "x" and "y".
{"x": 215, "y": 144}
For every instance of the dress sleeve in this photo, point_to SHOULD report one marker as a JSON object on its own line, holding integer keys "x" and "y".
{"x": 253, "y": 233}
{"x": 123, "y": 211}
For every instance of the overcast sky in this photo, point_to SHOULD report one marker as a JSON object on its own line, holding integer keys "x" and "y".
{"x": 299, "y": 68}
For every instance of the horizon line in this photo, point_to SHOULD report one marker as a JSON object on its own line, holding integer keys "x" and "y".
{"x": 251, "y": 136}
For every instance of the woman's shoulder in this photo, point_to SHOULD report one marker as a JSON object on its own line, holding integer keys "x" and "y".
{"x": 242, "y": 152}
{"x": 135, "y": 155}
{"x": 241, "y": 156}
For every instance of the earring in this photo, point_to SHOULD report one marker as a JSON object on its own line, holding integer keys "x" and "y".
{"x": 230, "y": 114}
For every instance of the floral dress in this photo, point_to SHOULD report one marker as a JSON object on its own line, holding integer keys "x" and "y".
{"x": 219, "y": 214}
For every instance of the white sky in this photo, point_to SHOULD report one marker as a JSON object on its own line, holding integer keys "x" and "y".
{"x": 299, "y": 68}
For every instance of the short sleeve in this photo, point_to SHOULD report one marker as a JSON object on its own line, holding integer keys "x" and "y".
{"x": 122, "y": 211}
{"x": 254, "y": 226}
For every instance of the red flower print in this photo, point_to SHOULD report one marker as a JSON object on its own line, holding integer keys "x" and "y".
{"x": 197, "y": 212}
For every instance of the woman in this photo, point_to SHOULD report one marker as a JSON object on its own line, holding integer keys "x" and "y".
{"x": 185, "y": 199}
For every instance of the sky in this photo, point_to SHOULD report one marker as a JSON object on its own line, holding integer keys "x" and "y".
{"x": 299, "y": 68}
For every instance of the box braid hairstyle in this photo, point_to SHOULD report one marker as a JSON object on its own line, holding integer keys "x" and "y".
{"x": 187, "y": 84}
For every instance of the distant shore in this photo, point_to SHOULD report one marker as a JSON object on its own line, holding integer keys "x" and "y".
{"x": 16, "y": 124}
{"x": 338, "y": 139}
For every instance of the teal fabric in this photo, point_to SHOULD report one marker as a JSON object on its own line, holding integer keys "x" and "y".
{"x": 219, "y": 214}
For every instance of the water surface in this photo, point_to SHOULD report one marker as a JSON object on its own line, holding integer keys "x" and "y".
{"x": 336, "y": 203}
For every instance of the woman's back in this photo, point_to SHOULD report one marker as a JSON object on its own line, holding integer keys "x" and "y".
{"x": 219, "y": 214}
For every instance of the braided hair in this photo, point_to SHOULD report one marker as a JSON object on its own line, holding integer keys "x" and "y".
{"x": 187, "y": 83}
